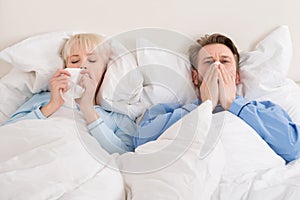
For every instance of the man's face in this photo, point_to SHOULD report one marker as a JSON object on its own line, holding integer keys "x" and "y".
{"x": 212, "y": 53}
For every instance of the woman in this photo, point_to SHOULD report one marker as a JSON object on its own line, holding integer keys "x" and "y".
{"x": 112, "y": 130}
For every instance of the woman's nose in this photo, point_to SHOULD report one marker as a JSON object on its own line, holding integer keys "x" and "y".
{"x": 83, "y": 65}
{"x": 83, "y": 62}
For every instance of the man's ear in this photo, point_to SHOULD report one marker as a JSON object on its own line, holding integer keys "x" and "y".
{"x": 237, "y": 78}
{"x": 195, "y": 77}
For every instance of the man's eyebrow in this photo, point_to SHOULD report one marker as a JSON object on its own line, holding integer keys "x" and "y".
{"x": 207, "y": 57}
{"x": 225, "y": 56}
{"x": 211, "y": 57}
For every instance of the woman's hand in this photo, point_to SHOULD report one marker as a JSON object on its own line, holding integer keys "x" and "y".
{"x": 58, "y": 85}
{"x": 87, "y": 101}
{"x": 227, "y": 87}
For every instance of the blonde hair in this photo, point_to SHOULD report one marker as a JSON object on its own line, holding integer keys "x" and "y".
{"x": 86, "y": 41}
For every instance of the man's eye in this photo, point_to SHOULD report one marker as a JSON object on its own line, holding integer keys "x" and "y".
{"x": 209, "y": 62}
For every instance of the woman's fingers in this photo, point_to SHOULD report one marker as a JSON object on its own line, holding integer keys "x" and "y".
{"x": 59, "y": 81}
{"x": 60, "y": 72}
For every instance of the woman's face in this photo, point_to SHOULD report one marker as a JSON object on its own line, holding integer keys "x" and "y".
{"x": 212, "y": 53}
{"x": 92, "y": 61}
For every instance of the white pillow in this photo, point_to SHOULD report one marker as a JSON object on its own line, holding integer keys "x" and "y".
{"x": 122, "y": 84}
{"x": 34, "y": 60}
{"x": 159, "y": 76}
{"x": 40, "y": 53}
{"x": 264, "y": 73}
{"x": 14, "y": 90}
{"x": 171, "y": 164}
{"x": 4, "y": 68}
{"x": 167, "y": 75}
{"x": 266, "y": 67}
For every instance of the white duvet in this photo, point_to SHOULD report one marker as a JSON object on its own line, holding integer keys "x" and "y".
{"x": 202, "y": 156}
{"x": 46, "y": 159}
{"x": 229, "y": 161}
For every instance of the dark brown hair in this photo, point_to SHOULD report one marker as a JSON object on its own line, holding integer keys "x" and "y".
{"x": 212, "y": 39}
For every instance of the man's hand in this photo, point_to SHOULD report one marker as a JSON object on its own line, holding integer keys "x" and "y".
{"x": 209, "y": 86}
{"x": 227, "y": 87}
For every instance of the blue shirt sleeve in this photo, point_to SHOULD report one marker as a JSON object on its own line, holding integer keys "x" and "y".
{"x": 113, "y": 131}
{"x": 158, "y": 119}
{"x": 30, "y": 109}
{"x": 272, "y": 123}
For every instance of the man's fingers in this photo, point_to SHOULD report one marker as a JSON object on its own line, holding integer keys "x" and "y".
{"x": 211, "y": 75}
{"x": 228, "y": 76}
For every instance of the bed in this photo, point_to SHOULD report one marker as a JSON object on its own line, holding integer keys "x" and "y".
{"x": 199, "y": 157}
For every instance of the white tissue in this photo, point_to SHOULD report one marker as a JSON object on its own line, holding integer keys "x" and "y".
{"x": 216, "y": 63}
{"x": 74, "y": 90}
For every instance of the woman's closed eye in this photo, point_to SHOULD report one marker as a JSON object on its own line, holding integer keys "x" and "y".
{"x": 92, "y": 60}
{"x": 74, "y": 61}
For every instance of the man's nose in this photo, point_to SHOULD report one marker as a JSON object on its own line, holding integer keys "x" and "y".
{"x": 217, "y": 63}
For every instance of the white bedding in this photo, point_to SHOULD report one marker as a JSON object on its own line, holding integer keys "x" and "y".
{"x": 45, "y": 159}
{"x": 223, "y": 158}
{"x": 218, "y": 162}
{"x": 233, "y": 163}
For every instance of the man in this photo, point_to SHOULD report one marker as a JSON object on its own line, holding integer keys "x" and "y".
{"x": 215, "y": 75}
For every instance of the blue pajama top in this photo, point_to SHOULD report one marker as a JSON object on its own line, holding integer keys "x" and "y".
{"x": 118, "y": 133}
{"x": 114, "y": 131}
{"x": 270, "y": 121}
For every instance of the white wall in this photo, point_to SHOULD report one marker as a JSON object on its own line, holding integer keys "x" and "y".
{"x": 244, "y": 21}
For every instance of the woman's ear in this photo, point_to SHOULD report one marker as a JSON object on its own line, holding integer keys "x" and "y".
{"x": 195, "y": 77}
